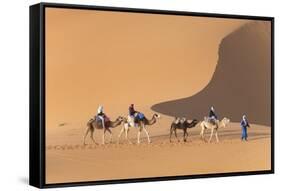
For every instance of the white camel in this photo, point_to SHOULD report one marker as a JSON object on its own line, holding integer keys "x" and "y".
{"x": 214, "y": 127}
{"x": 140, "y": 126}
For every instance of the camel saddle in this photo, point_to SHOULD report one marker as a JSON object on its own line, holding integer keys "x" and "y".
{"x": 211, "y": 120}
{"x": 139, "y": 117}
{"x": 106, "y": 120}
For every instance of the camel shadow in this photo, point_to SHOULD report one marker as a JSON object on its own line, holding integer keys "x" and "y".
{"x": 229, "y": 134}
{"x": 252, "y": 136}
{"x": 258, "y": 138}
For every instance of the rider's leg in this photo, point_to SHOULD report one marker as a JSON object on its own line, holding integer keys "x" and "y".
{"x": 102, "y": 121}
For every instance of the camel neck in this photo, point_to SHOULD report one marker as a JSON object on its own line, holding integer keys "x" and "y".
{"x": 152, "y": 120}
{"x": 115, "y": 123}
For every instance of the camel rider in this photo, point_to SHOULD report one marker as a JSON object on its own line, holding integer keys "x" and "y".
{"x": 135, "y": 114}
{"x": 101, "y": 116}
{"x": 212, "y": 115}
{"x": 132, "y": 110}
{"x": 244, "y": 125}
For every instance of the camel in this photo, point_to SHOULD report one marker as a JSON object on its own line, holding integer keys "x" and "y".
{"x": 140, "y": 125}
{"x": 182, "y": 124}
{"x": 94, "y": 124}
{"x": 208, "y": 125}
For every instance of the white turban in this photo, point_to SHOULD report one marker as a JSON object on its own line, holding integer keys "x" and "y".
{"x": 100, "y": 109}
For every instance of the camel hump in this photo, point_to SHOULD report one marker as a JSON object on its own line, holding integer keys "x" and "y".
{"x": 176, "y": 120}
{"x": 183, "y": 120}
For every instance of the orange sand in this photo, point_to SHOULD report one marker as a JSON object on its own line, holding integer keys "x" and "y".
{"x": 69, "y": 161}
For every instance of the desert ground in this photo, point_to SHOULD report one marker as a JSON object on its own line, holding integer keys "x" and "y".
{"x": 114, "y": 59}
{"x": 68, "y": 160}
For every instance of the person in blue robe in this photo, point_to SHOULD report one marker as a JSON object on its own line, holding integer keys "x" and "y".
{"x": 244, "y": 125}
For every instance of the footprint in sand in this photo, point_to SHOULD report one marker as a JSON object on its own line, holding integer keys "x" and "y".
{"x": 57, "y": 147}
{"x": 69, "y": 147}
{"x": 63, "y": 147}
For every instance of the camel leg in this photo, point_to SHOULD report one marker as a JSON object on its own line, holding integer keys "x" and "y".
{"x": 92, "y": 136}
{"x": 217, "y": 138}
{"x": 147, "y": 134}
{"x": 176, "y": 135}
{"x": 127, "y": 136}
{"x": 120, "y": 134}
{"x": 202, "y": 132}
{"x": 139, "y": 132}
{"x": 171, "y": 132}
{"x": 110, "y": 132}
{"x": 184, "y": 135}
{"x": 103, "y": 136}
{"x": 87, "y": 131}
{"x": 212, "y": 131}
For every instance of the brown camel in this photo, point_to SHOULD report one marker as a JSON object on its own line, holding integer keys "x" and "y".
{"x": 183, "y": 125}
{"x": 140, "y": 125}
{"x": 94, "y": 124}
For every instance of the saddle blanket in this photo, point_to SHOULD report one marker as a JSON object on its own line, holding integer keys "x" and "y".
{"x": 140, "y": 116}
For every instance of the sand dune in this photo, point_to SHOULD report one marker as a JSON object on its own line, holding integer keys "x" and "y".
{"x": 241, "y": 83}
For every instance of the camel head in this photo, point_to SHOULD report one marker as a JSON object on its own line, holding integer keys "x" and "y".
{"x": 195, "y": 121}
{"x": 91, "y": 120}
{"x": 192, "y": 124}
{"x": 225, "y": 121}
{"x": 156, "y": 115}
{"x": 121, "y": 119}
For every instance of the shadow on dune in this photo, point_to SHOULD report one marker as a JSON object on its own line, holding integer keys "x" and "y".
{"x": 241, "y": 83}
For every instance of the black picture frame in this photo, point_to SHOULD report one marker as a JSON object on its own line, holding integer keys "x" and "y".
{"x": 37, "y": 94}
